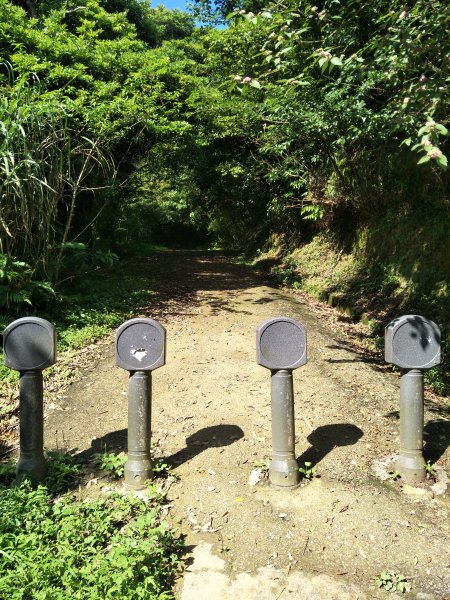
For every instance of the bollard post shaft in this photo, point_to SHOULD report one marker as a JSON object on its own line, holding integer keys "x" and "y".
{"x": 412, "y": 343}
{"x": 140, "y": 348}
{"x": 138, "y": 466}
{"x": 283, "y": 470}
{"x": 31, "y": 462}
{"x": 29, "y": 346}
{"x": 410, "y": 463}
{"x": 281, "y": 347}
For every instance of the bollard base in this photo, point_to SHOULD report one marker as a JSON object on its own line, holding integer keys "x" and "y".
{"x": 283, "y": 472}
{"x": 411, "y": 467}
{"x": 137, "y": 471}
{"x": 31, "y": 467}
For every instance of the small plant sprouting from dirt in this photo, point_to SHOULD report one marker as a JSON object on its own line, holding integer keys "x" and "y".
{"x": 163, "y": 470}
{"x": 112, "y": 463}
{"x": 262, "y": 464}
{"x": 62, "y": 470}
{"x": 308, "y": 471}
{"x": 430, "y": 471}
{"x": 392, "y": 581}
{"x": 7, "y": 472}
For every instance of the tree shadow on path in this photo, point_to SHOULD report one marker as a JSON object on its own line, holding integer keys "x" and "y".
{"x": 437, "y": 439}
{"x": 436, "y": 435}
{"x": 179, "y": 277}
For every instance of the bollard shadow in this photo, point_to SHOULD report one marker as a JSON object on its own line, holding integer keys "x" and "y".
{"x": 437, "y": 439}
{"x": 115, "y": 441}
{"x": 215, "y": 436}
{"x": 326, "y": 438}
{"x": 436, "y": 436}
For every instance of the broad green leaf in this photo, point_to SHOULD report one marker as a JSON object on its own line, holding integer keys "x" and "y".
{"x": 443, "y": 130}
{"x": 442, "y": 161}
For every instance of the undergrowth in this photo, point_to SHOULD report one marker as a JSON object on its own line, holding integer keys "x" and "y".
{"x": 88, "y": 308}
{"x": 93, "y": 305}
{"x": 57, "y": 544}
{"x": 368, "y": 289}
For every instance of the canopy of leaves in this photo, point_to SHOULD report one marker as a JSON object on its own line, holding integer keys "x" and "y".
{"x": 121, "y": 122}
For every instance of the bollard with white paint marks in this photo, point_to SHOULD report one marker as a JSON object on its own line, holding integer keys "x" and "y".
{"x": 140, "y": 349}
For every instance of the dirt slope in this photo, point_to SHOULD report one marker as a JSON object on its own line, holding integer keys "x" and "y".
{"x": 211, "y": 421}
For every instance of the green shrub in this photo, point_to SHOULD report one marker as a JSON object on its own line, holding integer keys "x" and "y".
{"x": 18, "y": 286}
{"x": 111, "y": 547}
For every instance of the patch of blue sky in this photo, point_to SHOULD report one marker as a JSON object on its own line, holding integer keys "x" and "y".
{"x": 180, "y": 5}
{"x": 171, "y": 4}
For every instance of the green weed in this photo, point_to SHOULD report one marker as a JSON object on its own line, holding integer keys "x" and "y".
{"x": 308, "y": 471}
{"x": 262, "y": 464}
{"x": 78, "y": 338}
{"x": 393, "y": 582}
{"x": 62, "y": 470}
{"x": 430, "y": 469}
{"x": 54, "y": 547}
{"x": 7, "y": 472}
{"x": 435, "y": 379}
{"x": 112, "y": 463}
{"x": 162, "y": 469}
{"x": 394, "y": 475}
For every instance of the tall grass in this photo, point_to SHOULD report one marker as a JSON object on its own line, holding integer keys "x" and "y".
{"x": 46, "y": 162}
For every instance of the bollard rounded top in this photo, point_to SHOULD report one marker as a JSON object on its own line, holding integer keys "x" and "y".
{"x": 29, "y": 344}
{"x": 281, "y": 344}
{"x": 412, "y": 342}
{"x": 140, "y": 345}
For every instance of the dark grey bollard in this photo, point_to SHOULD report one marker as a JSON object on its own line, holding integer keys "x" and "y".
{"x": 140, "y": 348}
{"x": 281, "y": 347}
{"x": 413, "y": 344}
{"x": 30, "y": 346}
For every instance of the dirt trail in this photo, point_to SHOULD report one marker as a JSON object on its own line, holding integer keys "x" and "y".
{"x": 211, "y": 421}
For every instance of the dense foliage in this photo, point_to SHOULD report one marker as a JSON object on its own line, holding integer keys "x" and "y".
{"x": 57, "y": 545}
{"x": 124, "y": 125}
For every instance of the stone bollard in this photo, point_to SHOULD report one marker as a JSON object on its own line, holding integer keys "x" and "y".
{"x": 281, "y": 347}
{"x": 30, "y": 346}
{"x": 413, "y": 344}
{"x": 140, "y": 349}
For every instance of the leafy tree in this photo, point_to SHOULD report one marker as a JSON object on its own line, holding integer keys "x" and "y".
{"x": 217, "y": 11}
{"x": 172, "y": 24}
{"x": 138, "y": 13}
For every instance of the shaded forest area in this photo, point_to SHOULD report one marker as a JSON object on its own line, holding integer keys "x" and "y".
{"x": 309, "y": 136}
